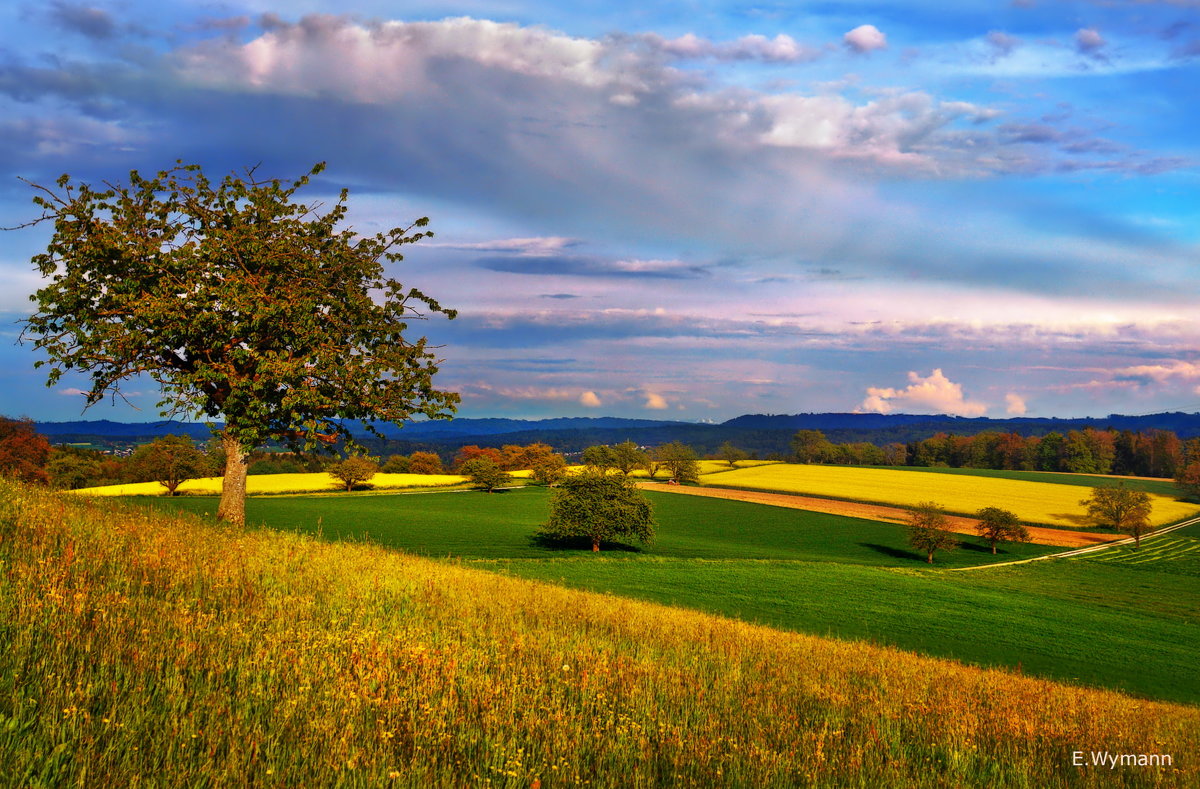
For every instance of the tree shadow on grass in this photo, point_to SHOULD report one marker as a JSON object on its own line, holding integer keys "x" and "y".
{"x": 971, "y": 546}
{"x": 579, "y": 544}
{"x": 895, "y": 553}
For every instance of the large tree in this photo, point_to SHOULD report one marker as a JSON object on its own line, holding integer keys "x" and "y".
{"x": 680, "y": 460}
{"x": 244, "y": 305}
{"x": 599, "y": 506}
{"x": 1120, "y": 508}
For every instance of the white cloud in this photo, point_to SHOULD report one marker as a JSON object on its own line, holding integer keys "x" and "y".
{"x": 589, "y": 399}
{"x": 935, "y": 394}
{"x": 540, "y": 246}
{"x": 70, "y": 392}
{"x": 1014, "y": 404}
{"x": 656, "y": 402}
{"x": 1160, "y": 373}
{"x": 780, "y": 49}
{"x": 865, "y": 38}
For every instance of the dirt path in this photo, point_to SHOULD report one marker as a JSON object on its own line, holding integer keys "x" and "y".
{"x": 1040, "y": 535}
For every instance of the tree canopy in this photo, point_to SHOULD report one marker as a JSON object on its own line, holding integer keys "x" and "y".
{"x": 599, "y": 506}
{"x": 170, "y": 461}
{"x": 927, "y": 530}
{"x": 244, "y": 305}
{"x": 1120, "y": 508}
{"x": 996, "y": 524}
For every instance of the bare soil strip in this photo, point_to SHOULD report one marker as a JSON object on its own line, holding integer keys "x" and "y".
{"x": 1040, "y": 535}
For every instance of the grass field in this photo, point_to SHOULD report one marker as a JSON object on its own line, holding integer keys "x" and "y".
{"x": 1085, "y": 622}
{"x": 1053, "y": 504}
{"x": 143, "y": 650}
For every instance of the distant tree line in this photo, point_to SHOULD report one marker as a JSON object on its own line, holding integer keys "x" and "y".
{"x": 1149, "y": 453}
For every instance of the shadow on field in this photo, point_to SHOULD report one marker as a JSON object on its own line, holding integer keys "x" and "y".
{"x": 579, "y": 544}
{"x": 1076, "y": 520}
{"x": 895, "y": 553}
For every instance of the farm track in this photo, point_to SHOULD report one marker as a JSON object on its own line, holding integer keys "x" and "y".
{"x": 1040, "y": 535}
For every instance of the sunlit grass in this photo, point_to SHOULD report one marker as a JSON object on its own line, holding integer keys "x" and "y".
{"x": 146, "y": 650}
{"x": 1033, "y": 502}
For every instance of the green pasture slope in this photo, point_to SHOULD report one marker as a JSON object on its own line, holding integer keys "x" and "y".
{"x": 1113, "y": 620}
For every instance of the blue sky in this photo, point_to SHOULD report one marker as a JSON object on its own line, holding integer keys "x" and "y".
{"x": 687, "y": 210}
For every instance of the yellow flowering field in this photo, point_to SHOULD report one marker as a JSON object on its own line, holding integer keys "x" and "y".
{"x": 316, "y": 482}
{"x": 1033, "y": 502}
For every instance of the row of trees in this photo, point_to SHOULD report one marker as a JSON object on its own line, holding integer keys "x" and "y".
{"x": 1114, "y": 507}
{"x": 1150, "y": 453}
{"x": 676, "y": 459}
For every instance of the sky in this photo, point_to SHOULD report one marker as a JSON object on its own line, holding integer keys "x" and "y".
{"x": 687, "y": 210}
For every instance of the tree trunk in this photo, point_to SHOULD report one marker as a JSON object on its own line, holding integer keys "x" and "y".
{"x": 930, "y": 557}
{"x": 232, "y": 508}
{"x": 595, "y": 544}
{"x": 993, "y": 549}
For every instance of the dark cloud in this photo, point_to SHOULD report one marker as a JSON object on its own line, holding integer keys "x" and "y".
{"x": 86, "y": 20}
{"x": 559, "y": 296}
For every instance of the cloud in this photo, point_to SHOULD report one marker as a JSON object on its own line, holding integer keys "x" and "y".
{"x": 1088, "y": 41}
{"x": 1002, "y": 42}
{"x": 570, "y": 266}
{"x": 936, "y": 394}
{"x": 1014, "y": 404}
{"x": 534, "y": 247}
{"x": 590, "y": 400}
{"x": 865, "y": 38}
{"x": 87, "y": 20}
{"x": 71, "y": 391}
{"x": 1158, "y": 373}
{"x": 780, "y": 49}
{"x": 656, "y": 402}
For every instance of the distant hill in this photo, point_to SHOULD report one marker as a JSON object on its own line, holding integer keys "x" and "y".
{"x": 764, "y": 434}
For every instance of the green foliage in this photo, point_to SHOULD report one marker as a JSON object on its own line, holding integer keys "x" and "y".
{"x": 599, "y": 506}
{"x": 72, "y": 470}
{"x": 680, "y": 460}
{"x": 354, "y": 470}
{"x": 170, "y": 461}
{"x": 927, "y": 530}
{"x": 997, "y": 524}
{"x": 485, "y": 473}
{"x": 397, "y": 464}
{"x": 627, "y": 456}
{"x": 242, "y": 304}
{"x": 731, "y": 454}
{"x": 1121, "y": 509}
{"x": 810, "y": 446}
{"x": 550, "y": 470}
{"x": 600, "y": 457}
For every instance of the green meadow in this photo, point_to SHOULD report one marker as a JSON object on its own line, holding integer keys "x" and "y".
{"x": 150, "y": 649}
{"x": 1086, "y": 621}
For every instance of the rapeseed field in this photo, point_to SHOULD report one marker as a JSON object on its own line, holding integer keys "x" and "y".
{"x": 1033, "y": 502}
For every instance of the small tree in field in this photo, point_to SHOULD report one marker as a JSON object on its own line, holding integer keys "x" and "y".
{"x": 397, "y": 464}
{"x": 354, "y": 470}
{"x": 243, "y": 305}
{"x": 731, "y": 454}
{"x": 996, "y": 525}
{"x": 550, "y": 470}
{"x": 927, "y": 530}
{"x": 425, "y": 463}
{"x": 170, "y": 461}
{"x": 627, "y": 457}
{"x": 680, "y": 460}
{"x": 600, "y": 457}
{"x": 599, "y": 506}
{"x": 1120, "y": 508}
{"x": 485, "y": 473}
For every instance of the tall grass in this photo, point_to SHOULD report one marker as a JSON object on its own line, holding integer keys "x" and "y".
{"x": 143, "y": 650}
